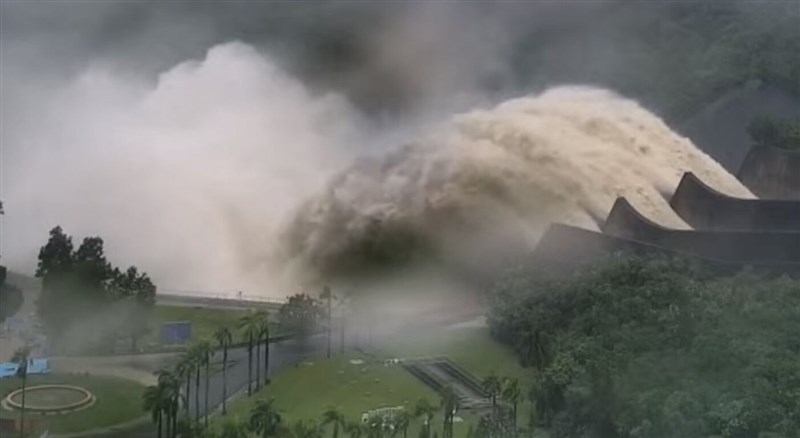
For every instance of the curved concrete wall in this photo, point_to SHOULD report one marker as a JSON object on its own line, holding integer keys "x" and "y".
{"x": 747, "y": 247}
{"x": 707, "y": 209}
{"x": 772, "y": 173}
{"x": 564, "y": 248}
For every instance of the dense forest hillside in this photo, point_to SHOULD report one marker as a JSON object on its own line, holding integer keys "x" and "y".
{"x": 655, "y": 348}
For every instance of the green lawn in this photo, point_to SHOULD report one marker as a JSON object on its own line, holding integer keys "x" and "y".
{"x": 118, "y": 401}
{"x": 304, "y": 392}
{"x": 51, "y": 397}
{"x": 472, "y": 348}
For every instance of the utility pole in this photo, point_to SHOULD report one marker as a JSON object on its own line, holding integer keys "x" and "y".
{"x": 328, "y": 295}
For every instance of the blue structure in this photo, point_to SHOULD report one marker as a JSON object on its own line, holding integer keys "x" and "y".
{"x": 35, "y": 366}
{"x": 176, "y": 332}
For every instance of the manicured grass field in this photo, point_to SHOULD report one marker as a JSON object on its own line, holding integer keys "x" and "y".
{"x": 118, "y": 401}
{"x": 306, "y": 391}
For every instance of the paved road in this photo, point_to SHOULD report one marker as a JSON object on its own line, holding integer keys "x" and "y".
{"x": 282, "y": 355}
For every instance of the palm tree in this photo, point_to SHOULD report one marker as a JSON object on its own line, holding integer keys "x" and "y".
{"x": 263, "y": 333}
{"x": 328, "y": 296}
{"x": 449, "y": 404}
{"x": 204, "y": 351}
{"x": 224, "y": 339}
{"x": 21, "y": 358}
{"x": 334, "y": 417}
{"x": 302, "y": 429}
{"x": 402, "y": 421}
{"x": 375, "y": 427}
{"x": 426, "y": 411}
{"x": 264, "y": 418}
{"x": 492, "y": 385}
{"x": 170, "y": 390}
{"x": 343, "y": 305}
{"x": 249, "y": 326}
{"x": 512, "y": 394}
{"x": 184, "y": 369}
{"x": 354, "y": 429}
{"x": 196, "y": 354}
{"x": 233, "y": 429}
{"x": 154, "y": 401}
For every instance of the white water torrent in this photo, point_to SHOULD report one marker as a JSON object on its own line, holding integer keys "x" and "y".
{"x": 492, "y": 180}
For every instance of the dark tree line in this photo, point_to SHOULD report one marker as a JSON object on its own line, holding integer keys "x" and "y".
{"x": 82, "y": 293}
{"x": 779, "y": 133}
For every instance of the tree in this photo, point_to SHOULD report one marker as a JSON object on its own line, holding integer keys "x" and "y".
{"x": 492, "y": 385}
{"x": 140, "y": 293}
{"x": 155, "y": 401}
{"x": 10, "y": 297}
{"x": 169, "y": 389}
{"x": 449, "y": 404}
{"x": 496, "y": 424}
{"x": 184, "y": 369}
{"x": 224, "y": 338}
{"x": 80, "y": 284}
{"x": 205, "y": 350}
{"x": 333, "y": 417}
{"x": 264, "y": 418}
{"x": 249, "y": 325}
{"x": 299, "y": 315}
{"x": 402, "y": 421}
{"x": 199, "y": 353}
{"x": 232, "y": 428}
{"x": 56, "y": 263}
{"x": 344, "y": 305}
{"x": 354, "y": 429}
{"x": 328, "y": 297}
{"x": 425, "y": 410}
{"x": 766, "y": 131}
{"x": 511, "y": 393}
{"x": 21, "y": 357}
{"x": 303, "y": 429}
{"x": 263, "y": 331}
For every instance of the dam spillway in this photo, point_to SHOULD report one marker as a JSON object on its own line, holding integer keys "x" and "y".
{"x": 728, "y": 234}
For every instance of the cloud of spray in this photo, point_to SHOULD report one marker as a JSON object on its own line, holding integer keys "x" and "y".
{"x": 487, "y": 183}
{"x": 186, "y": 177}
{"x": 189, "y": 177}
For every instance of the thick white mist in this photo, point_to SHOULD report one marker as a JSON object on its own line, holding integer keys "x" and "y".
{"x": 225, "y": 165}
{"x": 487, "y": 183}
{"x": 185, "y": 177}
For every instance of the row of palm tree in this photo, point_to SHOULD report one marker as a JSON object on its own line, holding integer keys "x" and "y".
{"x": 255, "y": 329}
{"x": 265, "y": 421}
{"x": 165, "y": 399}
{"x": 21, "y": 357}
{"x": 507, "y": 388}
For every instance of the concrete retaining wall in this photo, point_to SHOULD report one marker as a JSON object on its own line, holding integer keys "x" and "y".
{"x": 744, "y": 247}
{"x": 772, "y": 173}
{"x": 707, "y": 209}
{"x": 564, "y": 248}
